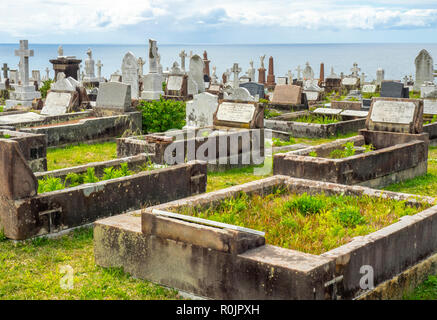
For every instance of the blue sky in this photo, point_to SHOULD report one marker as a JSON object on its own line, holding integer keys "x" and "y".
{"x": 224, "y": 21}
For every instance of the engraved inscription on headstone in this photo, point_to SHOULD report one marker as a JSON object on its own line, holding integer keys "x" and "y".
{"x": 235, "y": 112}
{"x": 393, "y": 112}
{"x": 175, "y": 83}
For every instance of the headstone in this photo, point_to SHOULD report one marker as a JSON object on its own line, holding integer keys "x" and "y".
{"x": 281, "y": 80}
{"x": 237, "y": 114}
{"x": 254, "y": 89}
{"x": 287, "y": 94}
{"x": 141, "y": 64}
{"x": 176, "y": 86}
{"x": 312, "y": 95}
{"x": 327, "y": 111}
{"x": 236, "y": 70}
{"x": 99, "y": 66}
{"x": 354, "y": 113}
{"x": 23, "y": 94}
{"x": 200, "y": 111}
{"x": 36, "y": 76}
{"x": 251, "y": 72}
{"x": 430, "y": 107}
{"x": 396, "y": 115}
{"x": 299, "y": 72}
{"x": 392, "y": 89}
{"x": 196, "y": 72}
{"x": 369, "y": 88}
{"x": 355, "y": 70}
{"x": 14, "y": 76}
{"x": 379, "y": 76}
{"x": 5, "y": 70}
{"x": 262, "y": 71}
{"x": 64, "y": 84}
{"x": 333, "y": 75}
{"x": 308, "y": 73}
{"x": 428, "y": 91}
{"x": 129, "y": 73}
{"x": 58, "y": 103}
{"x": 424, "y": 69}
{"x": 349, "y": 82}
{"x": 90, "y": 76}
{"x": 239, "y": 94}
{"x": 152, "y": 82}
{"x": 114, "y": 96}
{"x": 183, "y": 55}
{"x": 115, "y": 77}
{"x": 271, "y": 75}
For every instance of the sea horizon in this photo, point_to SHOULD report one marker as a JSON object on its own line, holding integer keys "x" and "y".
{"x": 397, "y": 58}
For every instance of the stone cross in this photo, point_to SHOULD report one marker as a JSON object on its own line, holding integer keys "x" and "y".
{"x": 60, "y": 51}
{"x": 299, "y": 70}
{"x": 236, "y": 70}
{"x": 290, "y": 77}
{"x": 5, "y": 70}
{"x": 24, "y": 53}
{"x": 99, "y": 66}
{"x": 183, "y": 55}
{"x": 141, "y": 63}
{"x": 355, "y": 70}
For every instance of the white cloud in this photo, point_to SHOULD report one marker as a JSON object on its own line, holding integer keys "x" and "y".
{"x": 28, "y": 18}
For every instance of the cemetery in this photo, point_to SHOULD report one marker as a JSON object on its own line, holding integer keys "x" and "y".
{"x": 159, "y": 174}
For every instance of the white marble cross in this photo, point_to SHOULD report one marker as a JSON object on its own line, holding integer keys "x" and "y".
{"x": 236, "y": 70}
{"x": 141, "y": 64}
{"x": 24, "y": 53}
{"x": 183, "y": 55}
{"x": 299, "y": 70}
{"x": 355, "y": 70}
{"x": 99, "y": 66}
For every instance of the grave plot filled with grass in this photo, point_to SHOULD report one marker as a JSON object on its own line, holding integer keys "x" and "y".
{"x": 309, "y": 223}
{"x": 425, "y": 185}
{"x": 74, "y": 155}
{"x": 319, "y": 119}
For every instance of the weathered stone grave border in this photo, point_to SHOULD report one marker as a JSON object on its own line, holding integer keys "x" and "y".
{"x": 222, "y": 261}
{"x": 24, "y": 213}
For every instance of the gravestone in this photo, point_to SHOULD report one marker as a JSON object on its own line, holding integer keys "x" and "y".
{"x": 312, "y": 95}
{"x": 23, "y": 94}
{"x": 369, "y": 88}
{"x": 237, "y": 114}
{"x": 90, "y": 76}
{"x": 114, "y": 97}
{"x": 327, "y": 111}
{"x": 152, "y": 82}
{"x": 380, "y": 75}
{"x": 308, "y": 73}
{"x": 115, "y": 77}
{"x": 200, "y": 111}
{"x": 350, "y": 82}
{"x": 196, "y": 73}
{"x": 176, "y": 86}
{"x": 428, "y": 91}
{"x": 239, "y": 94}
{"x": 287, "y": 94}
{"x": 62, "y": 97}
{"x": 281, "y": 80}
{"x": 424, "y": 69}
{"x": 430, "y": 107}
{"x": 254, "y": 89}
{"x": 396, "y": 115}
{"x": 129, "y": 73}
{"x": 392, "y": 89}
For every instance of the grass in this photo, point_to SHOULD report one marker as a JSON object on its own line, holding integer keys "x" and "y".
{"x": 432, "y": 120}
{"x": 32, "y": 270}
{"x": 318, "y": 119}
{"x": 75, "y": 155}
{"x": 308, "y": 223}
{"x": 426, "y": 291}
{"x": 425, "y": 185}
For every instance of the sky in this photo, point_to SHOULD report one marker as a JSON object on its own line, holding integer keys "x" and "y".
{"x": 217, "y": 22}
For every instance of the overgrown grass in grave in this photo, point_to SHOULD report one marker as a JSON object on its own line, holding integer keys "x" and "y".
{"x": 233, "y": 177}
{"x": 269, "y": 113}
{"x": 414, "y": 95}
{"x": 318, "y": 119}
{"x": 425, "y": 185}
{"x": 309, "y": 223}
{"x": 279, "y": 143}
{"x": 5, "y": 136}
{"x": 370, "y": 95}
{"x": 75, "y": 155}
{"x": 32, "y": 270}
{"x": 1, "y": 107}
{"x": 434, "y": 119}
{"x": 425, "y": 291}
{"x": 49, "y": 183}
{"x": 317, "y": 141}
{"x": 349, "y": 150}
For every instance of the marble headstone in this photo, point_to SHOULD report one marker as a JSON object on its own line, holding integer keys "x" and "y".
{"x": 200, "y": 111}
{"x": 129, "y": 73}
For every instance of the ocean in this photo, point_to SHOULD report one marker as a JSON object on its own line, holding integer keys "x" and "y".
{"x": 396, "y": 59}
